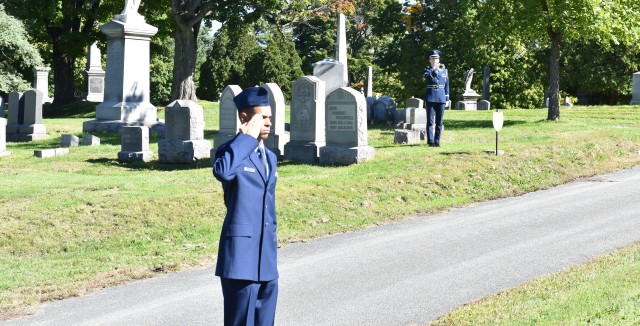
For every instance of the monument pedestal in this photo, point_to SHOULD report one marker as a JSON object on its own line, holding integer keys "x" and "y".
{"x": 302, "y": 151}
{"x": 183, "y": 151}
{"x": 126, "y": 93}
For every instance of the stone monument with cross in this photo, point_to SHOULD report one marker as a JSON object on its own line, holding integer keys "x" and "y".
{"x": 126, "y": 92}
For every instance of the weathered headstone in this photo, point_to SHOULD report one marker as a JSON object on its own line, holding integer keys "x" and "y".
{"x": 484, "y": 105}
{"x": 43, "y": 153}
{"x": 468, "y": 99}
{"x": 369, "y": 81}
{"x": 126, "y": 91}
{"x": 635, "y": 97}
{"x": 417, "y": 119}
{"x": 26, "y": 123}
{"x": 346, "y": 129}
{"x": 135, "y": 144}
{"x": 414, "y": 102}
{"x": 401, "y": 118}
{"x": 3, "y": 137}
{"x": 184, "y": 138}
{"x": 331, "y": 72}
{"x": 278, "y": 137}
{"x": 229, "y": 121}
{"x": 94, "y": 75}
{"x": 307, "y": 120}
{"x": 486, "y": 83}
{"x": 384, "y": 109}
{"x": 69, "y": 140}
{"x": 41, "y": 82}
{"x": 90, "y": 140}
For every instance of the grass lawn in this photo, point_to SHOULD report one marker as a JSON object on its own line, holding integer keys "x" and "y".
{"x": 74, "y": 223}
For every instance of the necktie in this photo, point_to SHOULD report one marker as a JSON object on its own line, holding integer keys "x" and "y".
{"x": 263, "y": 158}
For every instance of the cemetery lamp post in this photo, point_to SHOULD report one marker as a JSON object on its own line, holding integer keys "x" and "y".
{"x": 498, "y": 120}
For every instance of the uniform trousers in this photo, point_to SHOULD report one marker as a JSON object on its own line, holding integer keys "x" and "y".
{"x": 248, "y": 302}
{"x": 435, "y": 113}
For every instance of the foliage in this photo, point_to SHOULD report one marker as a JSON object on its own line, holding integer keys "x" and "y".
{"x": 161, "y": 65}
{"x": 18, "y": 55}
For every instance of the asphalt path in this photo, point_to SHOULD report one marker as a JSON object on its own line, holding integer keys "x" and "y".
{"x": 404, "y": 273}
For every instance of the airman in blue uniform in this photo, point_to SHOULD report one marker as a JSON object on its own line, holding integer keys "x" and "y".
{"x": 437, "y": 96}
{"x": 247, "y": 255}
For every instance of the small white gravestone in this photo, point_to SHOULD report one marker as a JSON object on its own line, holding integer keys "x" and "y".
{"x": 184, "y": 138}
{"x": 90, "y": 140}
{"x": 3, "y": 137}
{"x": 278, "y": 137}
{"x": 229, "y": 121}
{"x": 69, "y": 140}
{"x": 417, "y": 118}
{"x": 635, "y": 97}
{"x": 135, "y": 144}
{"x": 307, "y": 120}
{"x": 346, "y": 129}
{"x": 43, "y": 153}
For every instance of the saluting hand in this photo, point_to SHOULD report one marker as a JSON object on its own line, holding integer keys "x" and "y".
{"x": 253, "y": 126}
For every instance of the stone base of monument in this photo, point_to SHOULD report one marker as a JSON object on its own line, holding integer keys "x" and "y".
{"x": 467, "y": 105}
{"x": 343, "y": 155}
{"x": 404, "y": 136}
{"x": 302, "y": 152}
{"x": 183, "y": 151}
{"x": 128, "y": 156}
{"x": 116, "y": 125}
{"x": 276, "y": 143}
{"x": 4, "y": 153}
{"x": 26, "y": 133}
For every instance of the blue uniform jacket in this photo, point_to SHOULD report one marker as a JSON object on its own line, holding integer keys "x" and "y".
{"x": 248, "y": 243}
{"x": 437, "y": 85}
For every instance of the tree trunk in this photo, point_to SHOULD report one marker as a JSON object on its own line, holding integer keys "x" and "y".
{"x": 184, "y": 62}
{"x": 554, "y": 76}
{"x": 63, "y": 77}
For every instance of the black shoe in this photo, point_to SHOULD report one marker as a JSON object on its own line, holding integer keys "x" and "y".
{"x": 437, "y": 144}
{"x": 432, "y": 145}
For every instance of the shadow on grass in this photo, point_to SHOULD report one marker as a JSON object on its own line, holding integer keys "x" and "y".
{"x": 153, "y": 165}
{"x": 76, "y": 109}
{"x": 476, "y": 124}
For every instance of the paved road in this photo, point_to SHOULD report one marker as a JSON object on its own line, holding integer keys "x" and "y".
{"x": 408, "y": 272}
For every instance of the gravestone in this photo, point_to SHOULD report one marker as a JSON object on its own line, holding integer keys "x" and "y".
{"x": 417, "y": 119}
{"x": 405, "y": 136}
{"x": 307, "y": 121}
{"x": 401, "y": 118}
{"x": 126, "y": 92}
{"x": 135, "y": 144}
{"x": 468, "y": 99}
{"x": 484, "y": 105}
{"x": 278, "y": 137}
{"x": 3, "y": 137}
{"x": 184, "y": 134}
{"x": 635, "y": 97}
{"x": 370, "y": 115}
{"x": 90, "y": 140}
{"x": 229, "y": 121}
{"x": 25, "y": 117}
{"x": 41, "y": 82}
{"x": 384, "y": 109}
{"x": 331, "y": 72}
{"x": 51, "y": 152}
{"x": 414, "y": 103}
{"x": 346, "y": 129}
{"x": 567, "y": 101}
{"x": 94, "y": 75}
{"x": 369, "y": 81}
{"x": 68, "y": 140}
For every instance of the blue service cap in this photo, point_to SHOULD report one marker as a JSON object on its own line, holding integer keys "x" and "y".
{"x": 434, "y": 53}
{"x": 251, "y": 97}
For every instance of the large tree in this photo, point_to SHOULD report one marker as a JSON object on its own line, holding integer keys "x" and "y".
{"x": 17, "y": 55}
{"x": 549, "y": 23}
